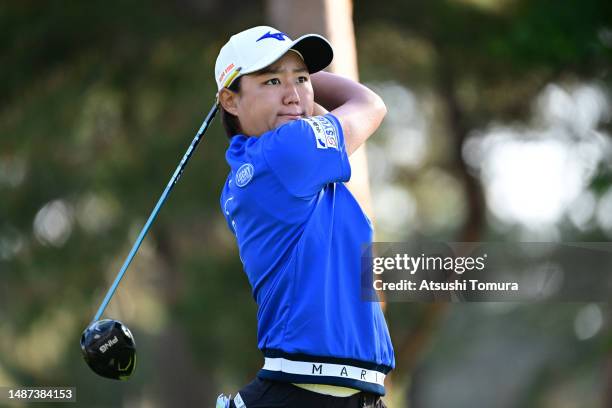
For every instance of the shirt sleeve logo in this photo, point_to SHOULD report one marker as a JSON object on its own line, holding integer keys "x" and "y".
{"x": 244, "y": 174}
{"x": 325, "y": 133}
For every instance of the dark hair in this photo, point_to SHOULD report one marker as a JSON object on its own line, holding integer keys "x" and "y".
{"x": 230, "y": 122}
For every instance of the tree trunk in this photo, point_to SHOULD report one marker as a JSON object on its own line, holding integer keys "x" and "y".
{"x": 180, "y": 381}
{"x": 334, "y": 20}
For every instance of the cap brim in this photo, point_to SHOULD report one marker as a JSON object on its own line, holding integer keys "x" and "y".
{"x": 317, "y": 52}
{"x": 315, "y": 49}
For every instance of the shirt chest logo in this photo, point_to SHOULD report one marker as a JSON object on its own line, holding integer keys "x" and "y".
{"x": 244, "y": 174}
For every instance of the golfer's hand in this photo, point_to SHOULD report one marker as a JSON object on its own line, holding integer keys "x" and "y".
{"x": 319, "y": 110}
{"x": 359, "y": 110}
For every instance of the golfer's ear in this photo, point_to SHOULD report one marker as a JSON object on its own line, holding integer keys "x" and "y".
{"x": 228, "y": 100}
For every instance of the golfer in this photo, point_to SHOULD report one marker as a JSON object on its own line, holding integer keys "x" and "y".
{"x": 298, "y": 229}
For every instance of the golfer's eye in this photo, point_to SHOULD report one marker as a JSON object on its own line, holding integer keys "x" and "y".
{"x": 302, "y": 79}
{"x": 273, "y": 81}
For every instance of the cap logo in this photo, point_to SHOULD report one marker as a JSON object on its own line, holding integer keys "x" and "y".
{"x": 226, "y": 71}
{"x": 280, "y": 36}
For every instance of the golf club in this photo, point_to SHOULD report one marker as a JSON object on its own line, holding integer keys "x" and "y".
{"x": 107, "y": 345}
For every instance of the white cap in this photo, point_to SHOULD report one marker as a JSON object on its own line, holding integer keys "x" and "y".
{"x": 256, "y": 48}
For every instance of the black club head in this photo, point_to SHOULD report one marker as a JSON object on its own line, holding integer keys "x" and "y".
{"x": 109, "y": 349}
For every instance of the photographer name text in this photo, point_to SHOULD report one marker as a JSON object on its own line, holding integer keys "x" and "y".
{"x": 414, "y": 264}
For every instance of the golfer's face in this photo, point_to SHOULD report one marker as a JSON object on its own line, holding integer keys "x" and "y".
{"x": 275, "y": 95}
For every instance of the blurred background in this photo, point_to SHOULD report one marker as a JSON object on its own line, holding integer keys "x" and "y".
{"x": 499, "y": 129}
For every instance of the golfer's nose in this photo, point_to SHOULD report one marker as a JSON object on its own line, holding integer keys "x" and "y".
{"x": 290, "y": 95}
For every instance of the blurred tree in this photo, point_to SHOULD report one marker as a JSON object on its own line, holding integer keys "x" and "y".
{"x": 482, "y": 63}
{"x": 100, "y": 102}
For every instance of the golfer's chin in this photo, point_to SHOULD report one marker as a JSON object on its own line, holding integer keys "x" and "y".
{"x": 282, "y": 119}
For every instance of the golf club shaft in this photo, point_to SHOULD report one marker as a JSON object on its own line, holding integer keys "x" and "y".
{"x": 175, "y": 178}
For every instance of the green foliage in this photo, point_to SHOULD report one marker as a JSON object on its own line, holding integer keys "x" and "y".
{"x": 100, "y": 101}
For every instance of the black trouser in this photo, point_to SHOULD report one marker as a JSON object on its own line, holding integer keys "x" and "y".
{"x": 274, "y": 394}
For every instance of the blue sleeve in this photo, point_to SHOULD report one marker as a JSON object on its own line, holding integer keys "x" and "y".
{"x": 307, "y": 154}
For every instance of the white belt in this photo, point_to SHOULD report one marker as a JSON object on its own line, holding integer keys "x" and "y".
{"x": 317, "y": 369}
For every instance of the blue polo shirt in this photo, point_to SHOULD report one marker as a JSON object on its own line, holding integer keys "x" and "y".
{"x": 300, "y": 234}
